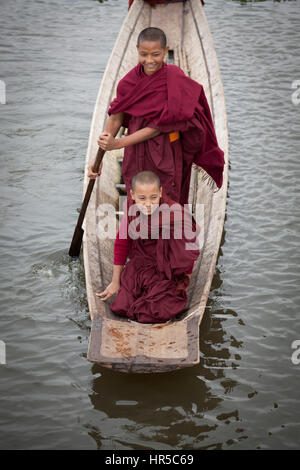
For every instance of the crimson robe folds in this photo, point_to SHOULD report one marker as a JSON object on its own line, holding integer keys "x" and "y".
{"x": 169, "y": 101}
{"x": 154, "y": 280}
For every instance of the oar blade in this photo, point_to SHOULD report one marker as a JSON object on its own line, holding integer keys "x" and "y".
{"x": 76, "y": 243}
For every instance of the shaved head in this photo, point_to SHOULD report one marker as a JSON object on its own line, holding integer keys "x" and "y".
{"x": 153, "y": 35}
{"x": 145, "y": 177}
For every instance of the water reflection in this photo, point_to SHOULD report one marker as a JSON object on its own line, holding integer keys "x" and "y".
{"x": 218, "y": 348}
{"x": 167, "y": 409}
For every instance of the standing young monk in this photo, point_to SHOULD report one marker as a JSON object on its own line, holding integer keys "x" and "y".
{"x": 160, "y": 238}
{"x": 168, "y": 119}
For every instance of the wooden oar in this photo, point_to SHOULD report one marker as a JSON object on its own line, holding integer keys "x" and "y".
{"x": 75, "y": 246}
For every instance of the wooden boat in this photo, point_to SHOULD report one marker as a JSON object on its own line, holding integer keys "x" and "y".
{"x": 119, "y": 343}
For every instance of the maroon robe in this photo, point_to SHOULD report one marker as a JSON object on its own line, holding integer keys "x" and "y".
{"x": 154, "y": 280}
{"x": 169, "y": 101}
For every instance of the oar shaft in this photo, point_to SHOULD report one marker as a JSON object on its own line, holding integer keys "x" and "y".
{"x": 85, "y": 203}
{"x": 90, "y": 187}
{"x": 78, "y": 232}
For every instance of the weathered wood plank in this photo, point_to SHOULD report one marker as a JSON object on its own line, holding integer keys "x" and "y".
{"x": 151, "y": 346}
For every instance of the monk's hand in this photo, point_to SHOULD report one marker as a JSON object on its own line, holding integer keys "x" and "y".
{"x": 107, "y": 142}
{"x": 111, "y": 290}
{"x": 92, "y": 174}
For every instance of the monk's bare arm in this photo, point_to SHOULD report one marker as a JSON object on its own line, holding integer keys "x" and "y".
{"x": 113, "y": 124}
{"x": 137, "y": 137}
{"x": 112, "y": 127}
{"x": 108, "y": 142}
{"x": 114, "y": 286}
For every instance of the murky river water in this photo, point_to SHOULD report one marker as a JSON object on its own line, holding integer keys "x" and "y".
{"x": 245, "y": 392}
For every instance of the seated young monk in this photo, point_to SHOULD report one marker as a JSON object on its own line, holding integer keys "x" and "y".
{"x": 160, "y": 238}
{"x": 168, "y": 120}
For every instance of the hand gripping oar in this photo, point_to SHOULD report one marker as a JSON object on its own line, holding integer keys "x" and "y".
{"x": 75, "y": 246}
